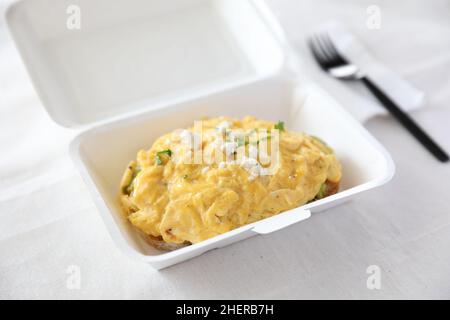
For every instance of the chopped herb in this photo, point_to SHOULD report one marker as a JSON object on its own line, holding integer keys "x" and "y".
{"x": 279, "y": 125}
{"x": 322, "y": 191}
{"x": 129, "y": 189}
{"x": 158, "y": 158}
{"x": 185, "y": 176}
{"x": 167, "y": 151}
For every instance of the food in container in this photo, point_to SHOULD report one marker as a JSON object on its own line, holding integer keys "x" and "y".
{"x": 221, "y": 174}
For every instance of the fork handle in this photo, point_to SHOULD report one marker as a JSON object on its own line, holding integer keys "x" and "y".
{"x": 407, "y": 122}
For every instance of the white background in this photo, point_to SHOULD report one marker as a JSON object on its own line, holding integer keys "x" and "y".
{"x": 49, "y": 223}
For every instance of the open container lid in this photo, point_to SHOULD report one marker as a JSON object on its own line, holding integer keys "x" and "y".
{"x": 123, "y": 61}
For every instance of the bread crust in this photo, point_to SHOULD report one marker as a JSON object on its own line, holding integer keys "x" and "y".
{"x": 332, "y": 188}
{"x": 160, "y": 244}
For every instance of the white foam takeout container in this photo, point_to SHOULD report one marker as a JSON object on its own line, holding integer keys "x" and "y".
{"x": 138, "y": 69}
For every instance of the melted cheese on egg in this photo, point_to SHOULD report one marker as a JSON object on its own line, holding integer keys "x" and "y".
{"x": 182, "y": 201}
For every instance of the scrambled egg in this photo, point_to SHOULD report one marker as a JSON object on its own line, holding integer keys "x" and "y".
{"x": 169, "y": 194}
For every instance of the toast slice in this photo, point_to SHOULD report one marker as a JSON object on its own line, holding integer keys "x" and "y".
{"x": 160, "y": 244}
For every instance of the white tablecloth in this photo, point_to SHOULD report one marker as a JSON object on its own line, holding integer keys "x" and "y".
{"x": 50, "y": 230}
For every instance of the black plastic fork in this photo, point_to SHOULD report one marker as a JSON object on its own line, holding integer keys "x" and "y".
{"x": 331, "y": 61}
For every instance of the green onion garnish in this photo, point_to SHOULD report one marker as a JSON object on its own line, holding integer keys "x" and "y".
{"x": 279, "y": 125}
{"x": 158, "y": 159}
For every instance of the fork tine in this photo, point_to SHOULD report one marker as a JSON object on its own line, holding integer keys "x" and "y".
{"x": 317, "y": 52}
{"x": 332, "y": 49}
{"x": 325, "y": 49}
